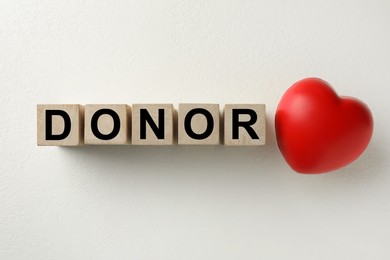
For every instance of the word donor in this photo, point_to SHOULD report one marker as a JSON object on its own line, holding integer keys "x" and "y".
{"x": 150, "y": 124}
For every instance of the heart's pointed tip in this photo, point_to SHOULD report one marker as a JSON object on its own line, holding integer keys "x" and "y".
{"x": 305, "y": 170}
{"x": 311, "y": 172}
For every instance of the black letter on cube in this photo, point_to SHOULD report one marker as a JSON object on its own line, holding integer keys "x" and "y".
{"x": 247, "y": 125}
{"x": 159, "y": 130}
{"x": 94, "y": 124}
{"x": 210, "y": 123}
{"x": 49, "y": 122}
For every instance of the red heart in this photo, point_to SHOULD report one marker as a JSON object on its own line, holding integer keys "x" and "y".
{"x": 317, "y": 131}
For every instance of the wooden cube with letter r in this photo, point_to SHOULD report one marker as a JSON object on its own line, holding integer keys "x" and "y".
{"x": 244, "y": 124}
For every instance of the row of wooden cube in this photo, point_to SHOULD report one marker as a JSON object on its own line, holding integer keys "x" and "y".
{"x": 102, "y": 124}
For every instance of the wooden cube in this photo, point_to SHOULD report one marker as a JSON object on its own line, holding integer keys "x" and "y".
{"x": 152, "y": 124}
{"x": 244, "y": 124}
{"x": 107, "y": 124}
{"x": 198, "y": 124}
{"x": 60, "y": 125}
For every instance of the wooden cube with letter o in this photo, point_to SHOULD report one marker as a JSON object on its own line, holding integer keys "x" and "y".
{"x": 107, "y": 124}
{"x": 198, "y": 124}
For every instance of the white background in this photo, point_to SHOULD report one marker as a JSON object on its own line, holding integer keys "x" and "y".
{"x": 183, "y": 202}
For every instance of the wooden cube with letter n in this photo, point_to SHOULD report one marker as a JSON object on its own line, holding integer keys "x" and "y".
{"x": 152, "y": 124}
{"x": 60, "y": 125}
{"x": 244, "y": 124}
{"x": 107, "y": 124}
{"x": 198, "y": 124}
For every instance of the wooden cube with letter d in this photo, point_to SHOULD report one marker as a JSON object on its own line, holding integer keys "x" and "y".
{"x": 60, "y": 125}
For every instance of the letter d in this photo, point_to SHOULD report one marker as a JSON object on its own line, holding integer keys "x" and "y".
{"x": 49, "y": 125}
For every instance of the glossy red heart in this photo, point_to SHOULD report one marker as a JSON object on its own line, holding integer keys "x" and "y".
{"x": 317, "y": 131}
